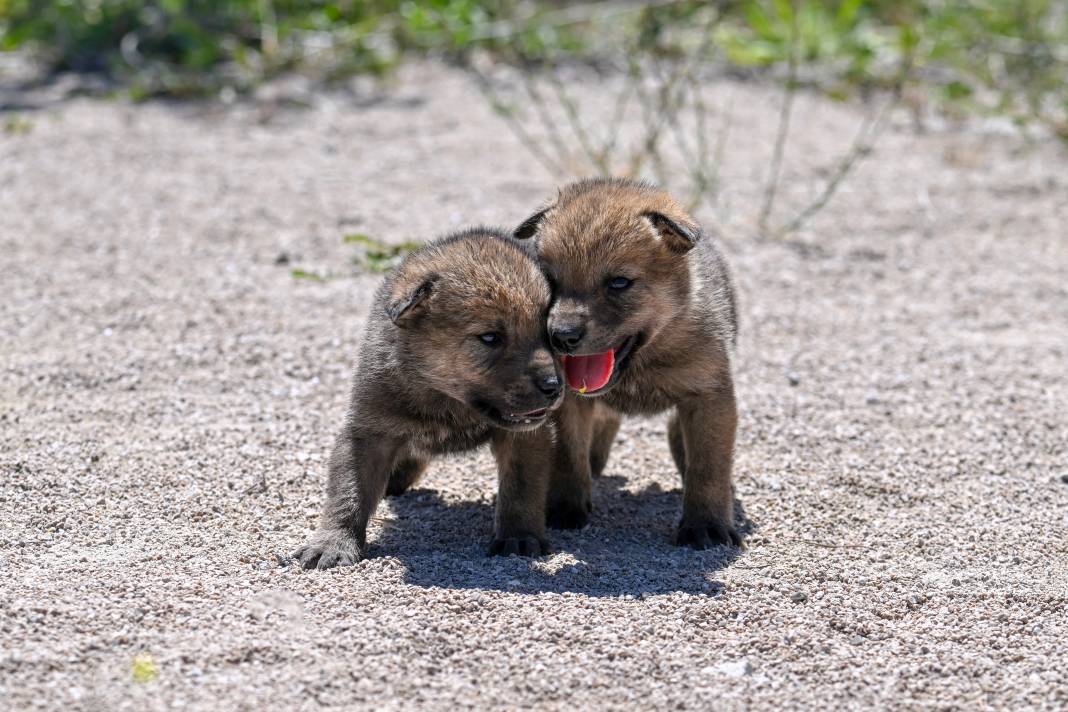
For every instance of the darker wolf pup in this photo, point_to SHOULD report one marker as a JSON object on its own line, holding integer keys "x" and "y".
{"x": 644, "y": 319}
{"x": 454, "y": 356}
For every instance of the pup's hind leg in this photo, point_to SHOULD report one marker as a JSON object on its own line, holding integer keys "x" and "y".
{"x": 605, "y": 427}
{"x": 405, "y": 474}
{"x": 676, "y": 443}
{"x": 570, "y": 497}
{"x": 708, "y": 425}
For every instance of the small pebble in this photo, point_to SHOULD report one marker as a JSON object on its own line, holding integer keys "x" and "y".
{"x": 734, "y": 668}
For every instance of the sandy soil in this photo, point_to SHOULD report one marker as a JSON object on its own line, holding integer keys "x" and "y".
{"x": 168, "y": 394}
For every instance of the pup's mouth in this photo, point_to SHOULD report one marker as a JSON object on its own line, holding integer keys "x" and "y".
{"x": 591, "y": 373}
{"x": 527, "y": 420}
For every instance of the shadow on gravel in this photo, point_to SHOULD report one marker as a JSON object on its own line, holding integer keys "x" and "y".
{"x": 626, "y": 549}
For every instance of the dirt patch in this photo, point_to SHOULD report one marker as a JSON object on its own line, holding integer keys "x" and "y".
{"x": 169, "y": 393}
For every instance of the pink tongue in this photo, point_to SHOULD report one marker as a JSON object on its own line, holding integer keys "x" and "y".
{"x": 589, "y": 373}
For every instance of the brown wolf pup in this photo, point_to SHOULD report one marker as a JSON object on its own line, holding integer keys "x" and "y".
{"x": 454, "y": 356}
{"x": 644, "y": 318}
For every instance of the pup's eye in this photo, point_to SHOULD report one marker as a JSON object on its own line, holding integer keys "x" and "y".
{"x": 619, "y": 283}
{"x": 491, "y": 338}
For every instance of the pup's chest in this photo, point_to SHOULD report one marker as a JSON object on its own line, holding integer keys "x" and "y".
{"x": 439, "y": 437}
{"x": 640, "y": 397}
{"x": 650, "y": 390}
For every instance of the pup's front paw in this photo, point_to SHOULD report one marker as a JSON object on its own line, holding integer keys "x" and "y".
{"x": 328, "y": 548}
{"x": 568, "y": 515}
{"x": 705, "y": 535}
{"x": 520, "y": 545}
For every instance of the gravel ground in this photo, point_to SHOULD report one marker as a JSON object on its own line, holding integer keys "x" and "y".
{"x": 169, "y": 392}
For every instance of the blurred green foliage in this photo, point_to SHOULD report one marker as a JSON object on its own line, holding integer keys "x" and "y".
{"x": 1004, "y": 55}
{"x": 378, "y": 256}
{"x": 763, "y": 34}
{"x": 15, "y": 124}
{"x": 1011, "y": 57}
{"x": 190, "y": 46}
{"x": 372, "y": 256}
{"x": 1007, "y": 56}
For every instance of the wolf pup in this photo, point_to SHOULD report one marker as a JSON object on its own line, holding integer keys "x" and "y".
{"x": 644, "y": 319}
{"x": 454, "y": 356}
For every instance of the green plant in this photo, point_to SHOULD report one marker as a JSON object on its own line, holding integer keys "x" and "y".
{"x": 190, "y": 46}
{"x": 377, "y": 256}
{"x": 179, "y": 47}
{"x": 1007, "y": 57}
{"x": 298, "y": 273}
{"x": 17, "y": 125}
{"x": 761, "y": 34}
{"x": 372, "y": 256}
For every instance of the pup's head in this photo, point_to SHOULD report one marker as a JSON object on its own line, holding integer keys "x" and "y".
{"x": 615, "y": 252}
{"x": 470, "y": 312}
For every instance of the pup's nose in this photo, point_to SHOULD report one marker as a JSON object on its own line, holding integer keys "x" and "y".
{"x": 548, "y": 385}
{"x": 567, "y": 338}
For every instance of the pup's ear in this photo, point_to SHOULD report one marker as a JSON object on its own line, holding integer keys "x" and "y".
{"x": 528, "y": 227}
{"x": 407, "y": 301}
{"x": 679, "y": 236}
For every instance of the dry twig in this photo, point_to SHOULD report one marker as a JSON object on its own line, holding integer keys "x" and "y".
{"x": 789, "y": 93}
{"x": 485, "y": 86}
